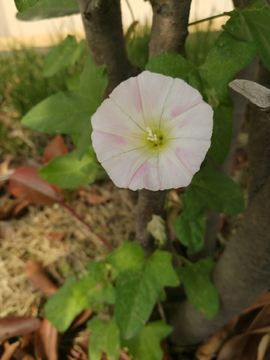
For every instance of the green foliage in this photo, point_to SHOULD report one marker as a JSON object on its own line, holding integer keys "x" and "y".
{"x": 45, "y": 9}
{"x": 252, "y": 25}
{"x": 190, "y": 232}
{"x": 74, "y": 296}
{"x": 227, "y": 58}
{"x": 22, "y": 84}
{"x": 59, "y": 113}
{"x": 210, "y": 190}
{"x": 23, "y": 5}
{"x": 137, "y": 40}
{"x": 146, "y": 344}
{"x": 105, "y": 337}
{"x": 139, "y": 284}
{"x": 95, "y": 286}
{"x": 62, "y": 307}
{"x": 68, "y": 172}
{"x": 61, "y": 56}
{"x": 199, "y": 289}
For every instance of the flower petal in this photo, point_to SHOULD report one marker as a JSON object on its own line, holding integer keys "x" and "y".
{"x": 154, "y": 90}
{"x": 195, "y": 123}
{"x": 135, "y": 170}
{"x": 172, "y": 172}
{"x": 110, "y": 118}
{"x": 181, "y": 97}
{"x": 191, "y": 153}
{"x": 136, "y": 158}
{"x": 108, "y": 145}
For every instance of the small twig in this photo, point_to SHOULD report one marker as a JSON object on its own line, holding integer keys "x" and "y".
{"x": 185, "y": 260}
{"x": 161, "y": 311}
{"x": 207, "y": 19}
{"x": 73, "y": 212}
{"x": 131, "y": 11}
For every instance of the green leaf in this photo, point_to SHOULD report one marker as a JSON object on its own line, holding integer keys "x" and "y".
{"x": 170, "y": 64}
{"x": 139, "y": 284}
{"x": 63, "y": 55}
{"x": 105, "y": 337}
{"x": 199, "y": 289}
{"x": 62, "y": 307}
{"x": 70, "y": 112}
{"x": 210, "y": 190}
{"x": 227, "y": 58}
{"x": 252, "y": 24}
{"x": 75, "y": 296}
{"x": 68, "y": 172}
{"x": 45, "y": 9}
{"x": 95, "y": 286}
{"x": 23, "y": 5}
{"x": 190, "y": 232}
{"x": 73, "y": 82}
{"x": 146, "y": 344}
{"x": 85, "y": 140}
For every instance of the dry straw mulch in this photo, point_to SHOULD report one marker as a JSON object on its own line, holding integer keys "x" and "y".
{"x": 113, "y": 220}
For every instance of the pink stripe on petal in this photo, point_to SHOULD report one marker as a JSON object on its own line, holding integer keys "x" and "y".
{"x": 146, "y": 177}
{"x": 108, "y": 145}
{"x": 110, "y": 118}
{"x": 128, "y": 98}
{"x": 133, "y": 170}
{"x": 181, "y": 98}
{"x": 154, "y": 89}
{"x": 172, "y": 173}
{"x": 195, "y": 123}
{"x": 191, "y": 153}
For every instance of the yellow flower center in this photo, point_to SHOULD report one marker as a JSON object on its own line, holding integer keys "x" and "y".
{"x": 155, "y": 139}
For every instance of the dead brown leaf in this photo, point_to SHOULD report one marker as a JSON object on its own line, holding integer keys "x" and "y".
{"x": 93, "y": 197}
{"x": 11, "y": 207}
{"x": 9, "y": 350}
{"x": 123, "y": 355}
{"x": 46, "y": 341}
{"x": 39, "y": 278}
{"x": 56, "y": 236}
{"x": 263, "y": 345}
{"x": 11, "y": 326}
{"x": 210, "y": 347}
{"x": 81, "y": 318}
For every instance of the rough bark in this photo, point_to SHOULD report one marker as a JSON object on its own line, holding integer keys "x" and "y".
{"x": 169, "y": 32}
{"x": 169, "y": 28}
{"x": 104, "y": 34}
{"x": 243, "y": 272}
{"x": 239, "y": 109}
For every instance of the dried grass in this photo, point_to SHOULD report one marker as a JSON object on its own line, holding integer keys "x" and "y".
{"x": 113, "y": 220}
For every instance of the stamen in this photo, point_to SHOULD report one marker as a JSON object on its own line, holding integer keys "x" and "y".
{"x": 151, "y": 136}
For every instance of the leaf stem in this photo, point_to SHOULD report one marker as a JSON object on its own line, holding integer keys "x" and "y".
{"x": 185, "y": 260}
{"x": 73, "y": 212}
{"x": 131, "y": 11}
{"x": 207, "y": 19}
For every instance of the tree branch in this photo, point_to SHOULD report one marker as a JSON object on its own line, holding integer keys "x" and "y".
{"x": 169, "y": 28}
{"x": 169, "y": 32}
{"x": 104, "y": 34}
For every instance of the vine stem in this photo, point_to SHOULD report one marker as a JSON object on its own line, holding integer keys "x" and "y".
{"x": 131, "y": 11}
{"x": 185, "y": 260}
{"x": 73, "y": 212}
{"x": 207, "y": 19}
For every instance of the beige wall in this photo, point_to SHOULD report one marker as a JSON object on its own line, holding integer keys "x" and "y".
{"x": 10, "y": 27}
